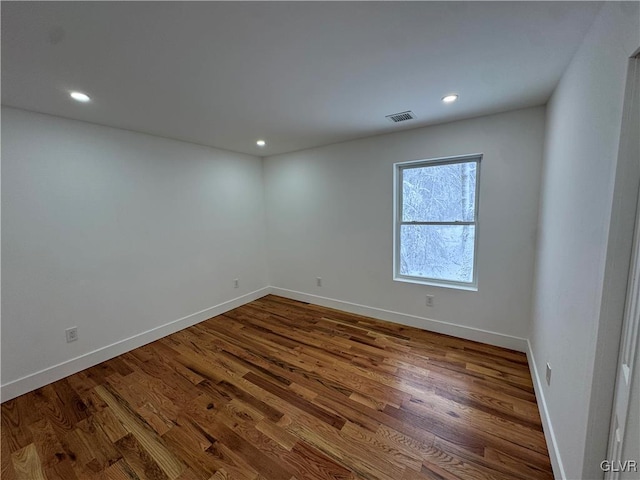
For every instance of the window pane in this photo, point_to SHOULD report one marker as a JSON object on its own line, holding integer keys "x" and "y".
{"x": 443, "y": 252}
{"x": 439, "y": 193}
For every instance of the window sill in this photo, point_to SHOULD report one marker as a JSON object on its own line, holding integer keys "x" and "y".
{"x": 434, "y": 283}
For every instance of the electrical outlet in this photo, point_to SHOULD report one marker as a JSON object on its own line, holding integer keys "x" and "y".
{"x": 429, "y": 301}
{"x": 548, "y": 374}
{"x": 236, "y": 283}
{"x": 318, "y": 281}
{"x": 72, "y": 334}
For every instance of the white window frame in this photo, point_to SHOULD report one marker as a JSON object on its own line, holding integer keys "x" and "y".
{"x": 397, "y": 221}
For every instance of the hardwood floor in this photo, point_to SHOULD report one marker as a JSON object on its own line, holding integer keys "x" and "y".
{"x": 282, "y": 390}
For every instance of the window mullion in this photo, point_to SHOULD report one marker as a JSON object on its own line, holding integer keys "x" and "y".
{"x": 413, "y": 222}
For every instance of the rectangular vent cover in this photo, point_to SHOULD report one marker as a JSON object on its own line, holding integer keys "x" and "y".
{"x": 401, "y": 117}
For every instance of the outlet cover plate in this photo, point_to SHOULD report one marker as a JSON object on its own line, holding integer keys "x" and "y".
{"x": 548, "y": 374}
{"x": 72, "y": 334}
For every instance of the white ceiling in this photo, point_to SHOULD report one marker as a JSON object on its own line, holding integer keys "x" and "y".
{"x": 298, "y": 74}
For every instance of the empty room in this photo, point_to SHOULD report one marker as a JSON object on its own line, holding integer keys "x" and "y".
{"x": 320, "y": 240}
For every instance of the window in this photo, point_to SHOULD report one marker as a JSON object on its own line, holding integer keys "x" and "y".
{"x": 436, "y": 221}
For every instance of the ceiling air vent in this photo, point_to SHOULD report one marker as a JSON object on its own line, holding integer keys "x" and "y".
{"x": 401, "y": 117}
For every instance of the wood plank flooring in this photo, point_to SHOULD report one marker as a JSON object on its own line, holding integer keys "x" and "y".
{"x": 282, "y": 390}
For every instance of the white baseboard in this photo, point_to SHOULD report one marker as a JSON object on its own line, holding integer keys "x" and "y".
{"x": 549, "y": 434}
{"x": 469, "y": 333}
{"x": 51, "y": 374}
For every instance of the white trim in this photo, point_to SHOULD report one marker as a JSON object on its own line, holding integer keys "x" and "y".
{"x": 51, "y": 374}
{"x": 44, "y": 377}
{"x": 433, "y": 283}
{"x": 549, "y": 434}
{"x": 460, "y": 331}
{"x": 629, "y": 339}
{"x": 398, "y": 169}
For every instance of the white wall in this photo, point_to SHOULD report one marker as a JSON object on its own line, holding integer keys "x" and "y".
{"x": 584, "y": 241}
{"x": 329, "y": 215}
{"x": 117, "y": 233}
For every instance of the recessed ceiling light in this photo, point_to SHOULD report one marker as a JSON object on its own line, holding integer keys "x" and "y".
{"x": 261, "y": 143}
{"x": 450, "y": 98}
{"x": 80, "y": 97}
